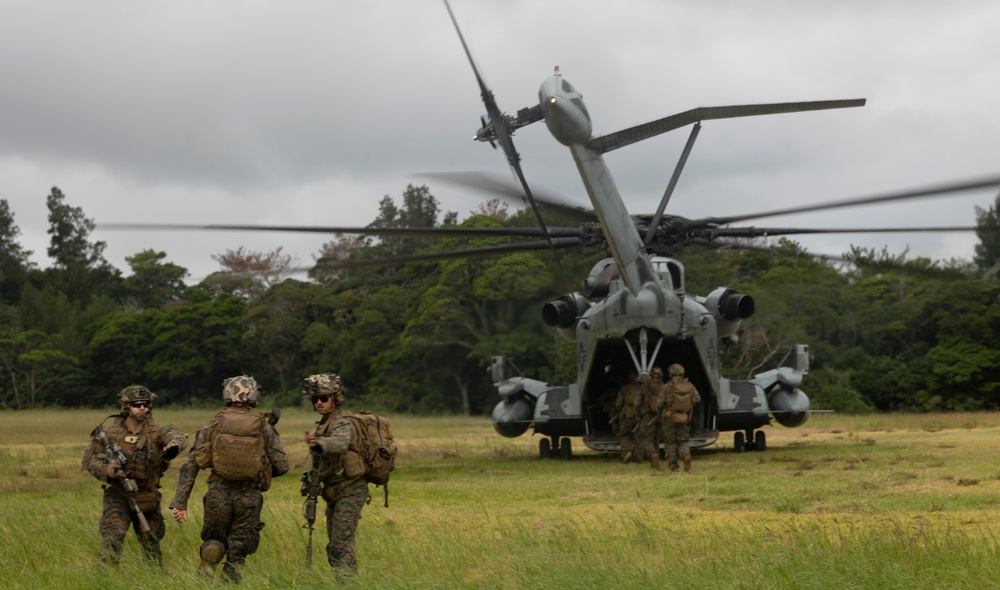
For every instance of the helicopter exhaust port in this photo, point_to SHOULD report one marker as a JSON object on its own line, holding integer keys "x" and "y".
{"x": 730, "y": 308}
{"x": 564, "y": 312}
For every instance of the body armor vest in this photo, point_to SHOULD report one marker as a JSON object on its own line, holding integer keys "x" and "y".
{"x": 142, "y": 451}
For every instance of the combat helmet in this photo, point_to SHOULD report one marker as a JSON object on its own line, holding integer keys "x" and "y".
{"x": 241, "y": 390}
{"x": 676, "y": 369}
{"x": 134, "y": 393}
{"x": 324, "y": 384}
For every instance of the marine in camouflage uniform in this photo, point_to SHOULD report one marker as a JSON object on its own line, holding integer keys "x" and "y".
{"x": 148, "y": 449}
{"x": 232, "y": 522}
{"x": 341, "y": 470}
{"x": 625, "y": 405}
{"x": 676, "y": 401}
{"x": 647, "y": 429}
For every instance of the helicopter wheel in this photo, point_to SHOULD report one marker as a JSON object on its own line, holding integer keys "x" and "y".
{"x": 544, "y": 449}
{"x": 759, "y": 441}
{"x": 565, "y": 449}
{"x": 739, "y": 442}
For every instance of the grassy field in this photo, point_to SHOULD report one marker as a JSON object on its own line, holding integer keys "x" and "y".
{"x": 843, "y": 502}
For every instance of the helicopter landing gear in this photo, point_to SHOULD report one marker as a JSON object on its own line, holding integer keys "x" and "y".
{"x": 562, "y": 449}
{"x": 751, "y": 441}
{"x": 759, "y": 441}
{"x": 565, "y": 449}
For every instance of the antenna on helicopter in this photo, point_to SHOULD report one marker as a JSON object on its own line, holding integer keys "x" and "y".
{"x": 498, "y": 128}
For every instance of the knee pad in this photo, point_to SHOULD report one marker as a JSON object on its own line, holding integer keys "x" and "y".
{"x": 212, "y": 551}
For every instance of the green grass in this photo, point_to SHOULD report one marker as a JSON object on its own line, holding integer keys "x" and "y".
{"x": 886, "y": 501}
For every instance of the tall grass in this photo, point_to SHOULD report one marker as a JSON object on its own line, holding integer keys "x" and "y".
{"x": 902, "y": 501}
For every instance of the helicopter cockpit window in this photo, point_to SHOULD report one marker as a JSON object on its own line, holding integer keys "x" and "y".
{"x": 579, "y": 104}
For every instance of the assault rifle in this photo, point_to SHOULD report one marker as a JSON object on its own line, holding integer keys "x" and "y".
{"x": 114, "y": 454}
{"x": 312, "y": 487}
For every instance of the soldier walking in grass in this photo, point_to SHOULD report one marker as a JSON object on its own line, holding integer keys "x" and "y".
{"x": 244, "y": 452}
{"x": 646, "y": 415}
{"x": 341, "y": 470}
{"x": 625, "y": 406}
{"x": 130, "y": 456}
{"x": 676, "y": 401}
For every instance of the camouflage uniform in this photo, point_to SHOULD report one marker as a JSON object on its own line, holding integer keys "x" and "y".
{"x": 625, "y": 403}
{"x": 232, "y": 522}
{"x": 148, "y": 451}
{"x": 344, "y": 488}
{"x": 677, "y": 424}
{"x": 647, "y": 430}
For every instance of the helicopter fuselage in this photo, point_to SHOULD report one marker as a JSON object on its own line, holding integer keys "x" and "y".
{"x": 635, "y": 315}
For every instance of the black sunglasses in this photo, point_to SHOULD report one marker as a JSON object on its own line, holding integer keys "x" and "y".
{"x": 139, "y": 404}
{"x": 321, "y": 398}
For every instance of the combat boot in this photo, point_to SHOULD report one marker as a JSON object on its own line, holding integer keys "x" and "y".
{"x": 212, "y": 552}
{"x": 687, "y": 464}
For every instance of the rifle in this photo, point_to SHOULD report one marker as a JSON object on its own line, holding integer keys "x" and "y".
{"x": 131, "y": 488}
{"x": 272, "y": 418}
{"x": 312, "y": 487}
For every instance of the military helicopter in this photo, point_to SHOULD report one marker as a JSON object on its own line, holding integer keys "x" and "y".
{"x": 633, "y": 312}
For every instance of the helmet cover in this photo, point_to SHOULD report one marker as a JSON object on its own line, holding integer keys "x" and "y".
{"x": 240, "y": 390}
{"x": 134, "y": 393}
{"x": 324, "y": 384}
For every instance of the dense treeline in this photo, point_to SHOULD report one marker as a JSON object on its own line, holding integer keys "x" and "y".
{"x": 886, "y": 333}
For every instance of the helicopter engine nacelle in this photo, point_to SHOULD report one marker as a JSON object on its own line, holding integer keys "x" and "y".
{"x": 730, "y": 308}
{"x": 564, "y": 312}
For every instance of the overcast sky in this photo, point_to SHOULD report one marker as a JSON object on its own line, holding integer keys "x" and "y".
{"x": 309, "y": 112}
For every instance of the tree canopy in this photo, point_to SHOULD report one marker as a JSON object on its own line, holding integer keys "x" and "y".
{"x": 886, "y": 333}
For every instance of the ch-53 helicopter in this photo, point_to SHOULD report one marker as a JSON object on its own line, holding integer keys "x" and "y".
{"x": 634, "y": 312}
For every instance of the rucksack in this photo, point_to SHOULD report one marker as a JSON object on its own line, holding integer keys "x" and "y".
{"x": 235, "y": 449}
{"x": 375, "y": 445}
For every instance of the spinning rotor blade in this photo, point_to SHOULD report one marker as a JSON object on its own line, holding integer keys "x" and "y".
{"x": 488, "y": 251}
{"x": 472, "y": 232}
{"x": 495, "y": 185}
{"x": 761, "y": 232}
{"x": 956, "y": 187}
{"x": 502, "y": 132}
{"x": 878, "y": 265}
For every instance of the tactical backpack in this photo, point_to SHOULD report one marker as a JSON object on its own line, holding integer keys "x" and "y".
{"x": 374, "y": 444}
{"x": 683, "y": 402}
{"x": 235, "y": 449}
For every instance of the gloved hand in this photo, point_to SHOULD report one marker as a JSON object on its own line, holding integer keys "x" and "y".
{"x": 170, "y": 452}
{"x": 114, "y": 471}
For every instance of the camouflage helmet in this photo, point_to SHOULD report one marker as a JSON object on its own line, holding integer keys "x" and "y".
{"x": 324, "y": 384}
{"x": 676, "y": 369}
{"x": 240, "y": 390}
{"x": 134, "y": 393}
